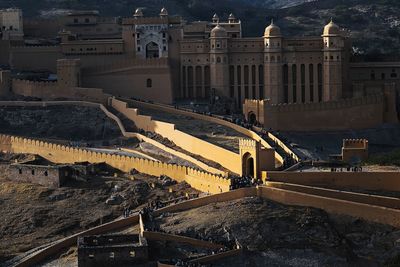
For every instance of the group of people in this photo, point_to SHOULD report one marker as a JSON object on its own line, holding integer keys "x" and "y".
{"x": 348, "y": 169}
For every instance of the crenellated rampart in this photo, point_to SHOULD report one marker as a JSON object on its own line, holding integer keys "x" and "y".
{"x": 226, "y": 158}
{"x": 126, "y": 64}
{"x": 57, "y": 153}
{"x": 321, "y": 106}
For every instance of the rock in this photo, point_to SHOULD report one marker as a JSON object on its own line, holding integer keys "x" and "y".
{"x": 115, "y": 200}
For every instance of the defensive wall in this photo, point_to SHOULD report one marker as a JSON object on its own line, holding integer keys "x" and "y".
{"x": 371, "y": 212}
{"x": 112, "y": 116}
{"x": 226, "y": 158}
{"x": 213, "y": 119}
{"x": 51, "y": 90}
{"x": 355, "y": 113}
{"x": 145, "y": 79}
{"x": 388, "y": 202}
{"x": 200, "y": 180}
{"x": 34, "y": 57}
{"x": 379, "y": 181}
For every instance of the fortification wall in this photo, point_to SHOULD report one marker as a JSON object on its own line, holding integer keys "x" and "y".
{"x": 5, "y": 143}
{"x": 379, "y": 181}
{"x": 121, "y": 126}
{"x": 212, "y": 119}
{"x": 66, "y": 154}
{"x": 35, "y": 57}
{"x": 359, "y": 210}
{"x": 146, "y": 80}
{"x": 4, "y": 52}
{"x": 227, "y": 159}
{"x": 33, "y": 88}
{"x": 51, "y": 90}
{"x": 358, "y": 113}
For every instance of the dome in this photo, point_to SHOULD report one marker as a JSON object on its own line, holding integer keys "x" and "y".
{"x": 215, "y": 16}
{"x": 219, "y": 32}
{"x": 272, "y": 30}
{"x": 331, "y": 29}
{"x": 138, "y": 13}
{"x": 232, "y": 17}
{"x": 163, "y": 12}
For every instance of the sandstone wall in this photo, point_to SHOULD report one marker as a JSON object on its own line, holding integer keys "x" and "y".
{"x": 66, "y": 154}
{"x": 144, "y": 79}
{"x": 359, "y": 113}
{"x": 51, "y": 90}
{"x": 226, "y": 158}
{"x": 381, "y": 181}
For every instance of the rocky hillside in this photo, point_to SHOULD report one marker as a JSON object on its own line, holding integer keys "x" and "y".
{"x": 374, "y": 24}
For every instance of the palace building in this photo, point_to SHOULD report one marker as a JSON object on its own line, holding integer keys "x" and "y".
{"x": 166, "y": 59}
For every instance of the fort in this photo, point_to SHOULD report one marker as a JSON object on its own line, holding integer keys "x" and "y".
{"x": 195, "y": 109}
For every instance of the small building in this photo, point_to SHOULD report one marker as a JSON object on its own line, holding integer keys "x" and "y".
{"x": 354, "y": 150}
{"x": 46, "y": 175}
{"x": 112, "y": 250}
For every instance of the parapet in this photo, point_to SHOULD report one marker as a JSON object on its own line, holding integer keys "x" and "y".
{"x": 246, "y": 143}
{"x": 355, "y": 143}
{"x": 68, "y": 62}
{"x": 339, "y": 104}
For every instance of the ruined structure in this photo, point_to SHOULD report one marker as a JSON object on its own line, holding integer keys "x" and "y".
{"x": 121, "y": 250}
{"x": 355, "y": 150}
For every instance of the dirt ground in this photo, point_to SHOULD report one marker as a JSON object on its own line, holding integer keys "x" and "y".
{"x": 33, "y": 215}
{"x": 211, "y": 132}
{"x": 73, "y": 123}
{"x": 278, "y": 235}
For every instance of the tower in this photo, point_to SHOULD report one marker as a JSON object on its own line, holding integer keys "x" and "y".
{"x": 332, "y": 68}
{"x": 5, "y": 82}
{"x": 219, "y": 66}
{"x": 273, "y": 84}
{"x": 68, "y": 72}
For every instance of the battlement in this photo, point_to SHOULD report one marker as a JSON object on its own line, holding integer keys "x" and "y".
{"x": 20, "y": 82}
{"x": 58, "y": 153}
{"x": 68, "y": 62}
{"x": 127, "y": 64}
{"x": 355, "y": 143}
{"x": 340, "y": 104}
{"x": 246, "y": 143}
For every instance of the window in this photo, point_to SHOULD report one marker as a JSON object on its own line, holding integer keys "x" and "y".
{"x": 132, "y": 254}
{"x": 149, "y": 83}
{"x": 218, "y": 60}
{"x": 383, "y": 76}
{"x": 87, "y": 20}
{"x": 112, "y": 255}
{"x": 46, "y": 173}
{"x": 138, "y": 49}
{"x": 20, "y": 171}
{"x": 33, "y": 172}
{"x": 75, "y": 20}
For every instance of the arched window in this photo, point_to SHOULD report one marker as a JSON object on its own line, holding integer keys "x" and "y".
{"x": 218, "y": 60}
{"x": 149, "y": 83}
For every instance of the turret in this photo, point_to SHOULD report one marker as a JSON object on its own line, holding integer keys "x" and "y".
{"x": 273, "y": 86}
{"x": 219, "y": 66}
{"x": 333, "y": 54}
{"x": 232, "y": 18}
{"x": 5, "y": 82}
{"x": 138, "y": 13}
{"x": 215, "y": 18}
{"x": 163, "y": 13}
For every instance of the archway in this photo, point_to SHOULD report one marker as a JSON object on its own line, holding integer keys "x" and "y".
{"x": 252, "y": 118}
{"x": 152, "y": 50}
{"x": 248, "y": 165}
